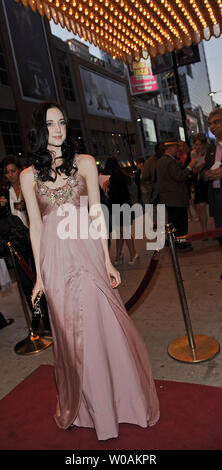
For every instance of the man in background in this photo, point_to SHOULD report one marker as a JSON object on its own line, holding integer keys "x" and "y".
{"x": 172, "y": 189}
{"x": 212, "y": 170}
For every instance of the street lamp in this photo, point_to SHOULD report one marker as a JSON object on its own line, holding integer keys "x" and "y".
{"x": 212, "y": 93}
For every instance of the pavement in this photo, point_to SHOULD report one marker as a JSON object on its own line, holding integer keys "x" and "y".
{"x": 158, "y": 314}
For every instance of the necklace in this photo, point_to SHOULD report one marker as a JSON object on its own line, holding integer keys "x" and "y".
{"x": 60, "y": 195}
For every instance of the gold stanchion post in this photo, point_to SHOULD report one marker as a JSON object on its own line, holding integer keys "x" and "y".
{"x": 33, "y": 343}
{"x": 191, "y": 348}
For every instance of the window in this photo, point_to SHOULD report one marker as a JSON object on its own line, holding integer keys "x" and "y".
{"x": 184, "y": 88}
{"x": 182, "y": 133}
{"x": 189, "y": 71}
{"x": 149, "y": 130}
{"x": 11, "y": 137}
{"x": 3, "y": 69}
{"x": 65, "y": 75}
{"x": 77, "y": 135}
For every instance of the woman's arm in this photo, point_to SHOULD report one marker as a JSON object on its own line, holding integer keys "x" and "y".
{"x": 87, "y": 168}
{"x": 35, "y": 220}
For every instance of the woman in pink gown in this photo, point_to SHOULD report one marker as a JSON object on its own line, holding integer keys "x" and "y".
{"x": 101, "y": 363}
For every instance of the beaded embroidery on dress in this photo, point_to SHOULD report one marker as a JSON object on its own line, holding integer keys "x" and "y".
{"x": 58, "y": 195}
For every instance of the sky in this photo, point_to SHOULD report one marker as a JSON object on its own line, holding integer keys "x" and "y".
{"x": 213, "y": 51}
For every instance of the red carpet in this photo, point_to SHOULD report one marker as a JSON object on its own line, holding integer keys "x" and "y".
{"x": 191, "y": 418}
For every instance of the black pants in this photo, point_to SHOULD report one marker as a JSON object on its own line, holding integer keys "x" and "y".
{"x": 179, "y": 218}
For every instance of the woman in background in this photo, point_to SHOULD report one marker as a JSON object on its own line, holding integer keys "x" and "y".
{"x": 12, "y": 198}
{"x": 118, "y": 193}
{"x": 199, "y": 149}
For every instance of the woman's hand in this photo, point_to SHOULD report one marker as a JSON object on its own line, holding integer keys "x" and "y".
{"x": 113, "y": 274}
{"x": 3, "y": 201}
{"x": 20, "y": 206}
{"x": 214, "y": 174}
{"x": 38, "y": 287}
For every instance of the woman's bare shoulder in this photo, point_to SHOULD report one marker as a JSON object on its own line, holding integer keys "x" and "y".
{"x": 85, "y": 163}
{"x": 84, "y": 158}
{"x": 27, "y": 175}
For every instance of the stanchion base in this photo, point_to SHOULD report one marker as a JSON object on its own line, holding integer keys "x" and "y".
{"x": 33, "y": 344}
{"x": 206, "y": 348}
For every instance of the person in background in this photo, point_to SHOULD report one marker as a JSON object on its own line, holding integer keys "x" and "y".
{"x": 199, "y": 150}
{"x": 140, "y": 193}
{"x": 183, "y": 153}
{"x": 11, "y": 199}
{"x": 14, "y": 227}
{"x": 172, "y": 189}
{"x": 5, "y": 279}
{"x": 118, "y": 193}
{"x": 148, "y": 175}
{"x": 184, "y": 157}
{"x": 212, "y": 170}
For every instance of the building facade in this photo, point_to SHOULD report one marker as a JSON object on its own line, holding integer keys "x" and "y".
{"x": 106, "y": 119}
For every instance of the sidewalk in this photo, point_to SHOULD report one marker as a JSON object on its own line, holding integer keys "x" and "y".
{"x": 158, "y": 315}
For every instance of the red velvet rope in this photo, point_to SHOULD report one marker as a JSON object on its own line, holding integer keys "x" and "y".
{"x": 191, "y": 237}
{"x": 144, "y": 283}
{"x": 24, "y": 265}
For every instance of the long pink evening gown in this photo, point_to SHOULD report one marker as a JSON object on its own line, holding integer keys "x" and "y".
{"x": 101, "y": 363}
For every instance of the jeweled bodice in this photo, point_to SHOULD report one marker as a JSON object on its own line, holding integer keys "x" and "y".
{"x": 50, "y": 199}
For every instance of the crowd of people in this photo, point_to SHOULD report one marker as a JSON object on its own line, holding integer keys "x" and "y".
{"x": 186, "y": 179}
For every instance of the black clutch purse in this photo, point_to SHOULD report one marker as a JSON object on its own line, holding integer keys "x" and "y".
{"x": 37, "y": 313}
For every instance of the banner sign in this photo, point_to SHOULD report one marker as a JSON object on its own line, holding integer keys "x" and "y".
{"x": 30, "y": 52}
{"x": 141, "y": 77}
{"x": 104, "y": 96}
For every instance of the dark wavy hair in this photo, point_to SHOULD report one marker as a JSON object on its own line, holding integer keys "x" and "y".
{"x": 41, "y": 157}
{"x": 201, "y": 137}
{"x": 11, "y": 160}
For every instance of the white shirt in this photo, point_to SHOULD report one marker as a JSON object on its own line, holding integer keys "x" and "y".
{"x": 13, "y": 198}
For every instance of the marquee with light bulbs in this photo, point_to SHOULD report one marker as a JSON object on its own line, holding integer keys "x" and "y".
{"x": 133, "y": 29}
